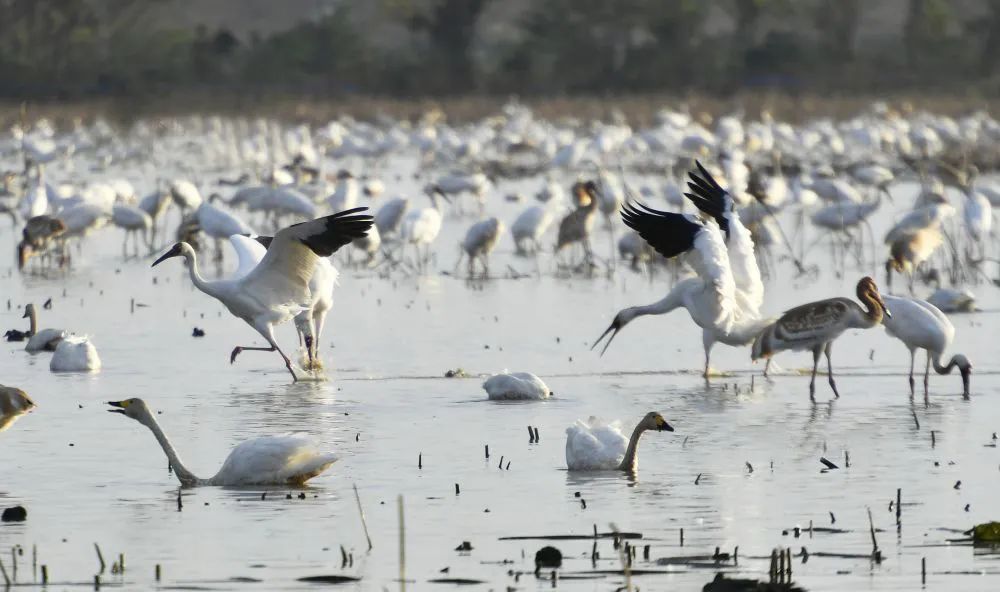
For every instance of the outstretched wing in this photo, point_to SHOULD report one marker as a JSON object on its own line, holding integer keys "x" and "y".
{"x": 709, "y": 197}
{"x": 283, "y": 276}
{"x": 669, "y": 233}
{"x": 249, "y": 252}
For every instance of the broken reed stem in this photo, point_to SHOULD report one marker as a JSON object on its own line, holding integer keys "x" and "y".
{"x": 773, "y": 570}
{"x": 361, "y": 511}
{"x": 781, "y": 565}
{"x": 923, "y": 570}
{"x": 682, "y": 537}
{"x": 156, "y": 572}
{"x": 402, "y": 545}
{"x": 3, "y": 572}
{"x": 876, "y": 554}
{"x": 13, "y": 562}
{"x": 899, "y": 505}
{"x": 34, "y": 562}
{"x": 788, "y": 551}
{"x": 487, "y": 451}
{"x": 100, "y": 557}
{"x": 45, "y": 574}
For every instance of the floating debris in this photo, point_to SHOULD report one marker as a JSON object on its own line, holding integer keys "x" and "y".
{"x": 14, "y": 514}
{"x": 548, "y": 556}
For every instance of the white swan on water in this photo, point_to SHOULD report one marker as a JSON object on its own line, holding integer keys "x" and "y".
{"x": 75, "y": 354}
{"x": 594, "y": 445}
{"x": 291, "y": 459}
{"x": 516, "y": 386}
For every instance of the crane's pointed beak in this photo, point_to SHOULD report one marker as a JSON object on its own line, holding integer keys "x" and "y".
{"x": 173, "y": 252}
{"x": 885, "y": 309}
{"x": 613, "y": 330}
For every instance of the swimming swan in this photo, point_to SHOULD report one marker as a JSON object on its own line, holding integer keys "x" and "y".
{"x": 597, "y": 446}
{"x": 291, "y": 459}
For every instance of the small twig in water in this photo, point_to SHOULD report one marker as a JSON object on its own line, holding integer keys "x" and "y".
{"x": 364, "y": 523}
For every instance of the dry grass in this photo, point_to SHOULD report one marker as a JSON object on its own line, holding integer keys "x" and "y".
{"x": 638, "y": 109}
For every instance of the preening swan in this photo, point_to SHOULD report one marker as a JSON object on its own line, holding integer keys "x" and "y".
{"x": 597, "y": 446}
{"x": 13, "y": 404}
{"x": 516, "y": 386}
{"x": 75, "y": 354}
{"x": 44, "y": 340}
{"x": 291, "y": 459}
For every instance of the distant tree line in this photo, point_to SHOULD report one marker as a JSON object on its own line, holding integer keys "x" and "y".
{"x": 80, "y": 48}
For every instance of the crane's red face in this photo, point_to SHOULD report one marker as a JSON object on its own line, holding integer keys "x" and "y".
{"x": 175, "y": 251}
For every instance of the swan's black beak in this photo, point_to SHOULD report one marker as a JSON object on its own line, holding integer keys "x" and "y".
{"x": 666, "y": 427}
{"x": 613, "y": 329}
{"x": 173, "y": 252}
{"x": 119, "y": 406}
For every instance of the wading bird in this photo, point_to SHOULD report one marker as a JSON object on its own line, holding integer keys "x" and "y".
{"x": 291, "y": 459}
{"x": 725, "y": 297}
{"x": 920, "y": 325}
{"x": 277, "y": 289}
{"x": 815, "y": 326}
{"x": 597, "y": 446}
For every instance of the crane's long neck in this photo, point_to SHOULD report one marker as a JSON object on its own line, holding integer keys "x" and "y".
{"x": 674, "y": 299}
{"x": 936, "y": 360}
{"x": 33, "y": 319}
{"x": 629, "y": 462}
{"x": 185, "y": 476}
{"x": 199, "y": 282}
{"x": 872, "y": 315}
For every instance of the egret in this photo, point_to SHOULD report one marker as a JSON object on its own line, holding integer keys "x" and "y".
{"x": 597, "y": 446}
{"x": 291, "y": 459}
{"x": 815, "y": 326}
{"x": 277, "y": 289}
{"x": 920, "y": 325}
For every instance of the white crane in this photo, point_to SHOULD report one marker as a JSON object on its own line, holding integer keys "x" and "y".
{"x": 277, "y": 289}
{"x": 291, "y": 459}
{"x": 530, "y": 225}
{"x": 920, "y": 325}
{"x": 421, "y": 226}
{"x": 480, "y": 240}
{"x": 185, "y": 194}
{"x": 725, "y": 297}
{"x": 135, "y": 222}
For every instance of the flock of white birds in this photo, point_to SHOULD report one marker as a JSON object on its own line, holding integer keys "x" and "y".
{"x": 714, "y": 203}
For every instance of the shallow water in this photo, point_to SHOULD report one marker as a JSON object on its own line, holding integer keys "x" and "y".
{"x": 88, "y": 476}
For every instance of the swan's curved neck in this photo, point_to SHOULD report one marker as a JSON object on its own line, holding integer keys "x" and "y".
{"x": 629, "y": 462}
{"x": 185, "y": 476}
{"x": 33, "y": 319}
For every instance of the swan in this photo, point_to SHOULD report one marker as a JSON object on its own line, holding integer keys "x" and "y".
{"x": 75, "y": 354}
{"x": 13, "y": 404}
{"x": 291, "y": 459}
{"x": 44, "y": 340}
{"x": 516, "y": 386}
{"x": 597, "y": 446}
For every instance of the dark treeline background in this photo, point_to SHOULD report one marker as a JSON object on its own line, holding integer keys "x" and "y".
{"x": 69, "y": 49}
